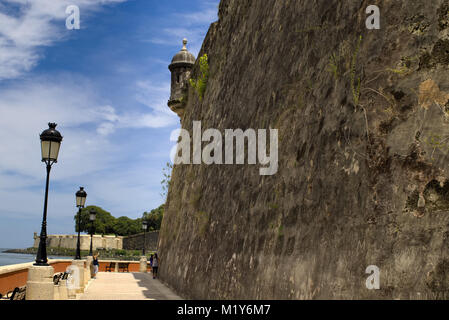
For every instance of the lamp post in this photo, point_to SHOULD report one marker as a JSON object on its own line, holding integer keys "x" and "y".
{"x": 39, "y": 285}
{"x": 143, "y": 259}
{"x": 144, "y": 227}
{"x": 92, "y": 216}
{"x": 50, "y": 144}
{"x": 80, "y": 201}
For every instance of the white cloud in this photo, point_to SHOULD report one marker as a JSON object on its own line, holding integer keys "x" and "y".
{"x": 113, "y": 171}
{"x": 72, "y": 103}
{"x": 189, "y": 25}
{"x": 34, "y": 26}
{"x": 153, "y": 96}
{"x": 119, "y": 174}
{"x": 25, "y": 110}
{"x": 158, "y": 116}
{"x": 207, "y": 15}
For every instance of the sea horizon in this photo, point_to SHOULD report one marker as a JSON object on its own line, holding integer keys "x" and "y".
{"x": 7, "y": 258}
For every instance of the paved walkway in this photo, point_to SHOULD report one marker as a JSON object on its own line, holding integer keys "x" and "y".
{"x": 127, "y": 286}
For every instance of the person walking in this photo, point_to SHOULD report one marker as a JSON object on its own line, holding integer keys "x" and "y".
{"x": 155, "y": 265}
{"x": 151, "y": 262}
{"x": 95, "y": 264}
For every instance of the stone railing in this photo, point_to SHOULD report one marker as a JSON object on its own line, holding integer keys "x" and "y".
{"x": 133, "y": 265}
{"x": 16, "y": 275}
{"x": 13, "y": 276}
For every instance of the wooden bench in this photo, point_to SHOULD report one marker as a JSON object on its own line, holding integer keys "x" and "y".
{"x": 123, "y": 266}
{"x": 111, "y": 267}
{"x": 18, "y": 293}
{"x": 60, "y": 276}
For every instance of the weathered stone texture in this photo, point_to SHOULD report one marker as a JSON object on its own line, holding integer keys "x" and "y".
{"x": 357, "y": 185}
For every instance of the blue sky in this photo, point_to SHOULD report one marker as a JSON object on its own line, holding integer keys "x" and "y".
{"x": 106, "y": 85}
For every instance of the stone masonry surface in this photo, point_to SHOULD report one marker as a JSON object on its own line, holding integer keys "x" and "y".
{"x": 363, "y": 171}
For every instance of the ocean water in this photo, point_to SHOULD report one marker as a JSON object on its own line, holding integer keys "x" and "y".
{"x": 16, "y": 258}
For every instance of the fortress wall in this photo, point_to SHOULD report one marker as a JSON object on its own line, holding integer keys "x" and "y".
{"x": 135, "y": 242}
{"x": 363, "y": 155}
{"x": 70, "y": 241}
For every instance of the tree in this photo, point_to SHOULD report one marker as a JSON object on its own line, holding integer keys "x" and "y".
{"x": 104, "y": 222}
{"x": 125, "y": 226}
{"x": 154, "y": 218}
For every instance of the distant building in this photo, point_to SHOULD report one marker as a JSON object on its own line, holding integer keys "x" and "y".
{"x": 69, "y": 241}
{"x": 133, "y": 242}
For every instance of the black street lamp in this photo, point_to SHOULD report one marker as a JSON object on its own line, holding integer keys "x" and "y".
{"x": 144, "y": 227}
{"x": 92, "y": 216}
{"x": 50, "y": 144}
{"x": 80, "y": 201}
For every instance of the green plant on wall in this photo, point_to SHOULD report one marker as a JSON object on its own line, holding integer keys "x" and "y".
{"x": 404, "y": 66}
{"x": 200, "y": 84}
{"x": 166, "y": 173}
{"x": 401, "y": 70}
{"x": 436, "y": 142}
{"x": 273, "y": 206}
{"x": 184, "y": 99}
{"x": 333, "y": 64}
{"x": 280, "y": 231}
{"x": 203, "y": 222}
{"x": 355, "y": 81}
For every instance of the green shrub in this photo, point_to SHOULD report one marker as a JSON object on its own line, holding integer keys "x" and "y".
{"x": 120, "y": 252}
{"x": 200, "y": 84}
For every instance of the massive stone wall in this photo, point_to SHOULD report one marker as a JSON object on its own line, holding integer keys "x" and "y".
{"x": 135, "y": 242}
{"x": 362, "y": 174}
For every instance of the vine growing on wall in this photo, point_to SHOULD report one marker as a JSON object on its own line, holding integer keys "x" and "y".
{"x": 333, "y": 65}
{"x": 166, "y": 173}
{"x": 355, "y": 81}
{"x": 200, "y": 84}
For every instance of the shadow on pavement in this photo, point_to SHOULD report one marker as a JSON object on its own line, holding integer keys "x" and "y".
{"x": 154, "y": 288}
